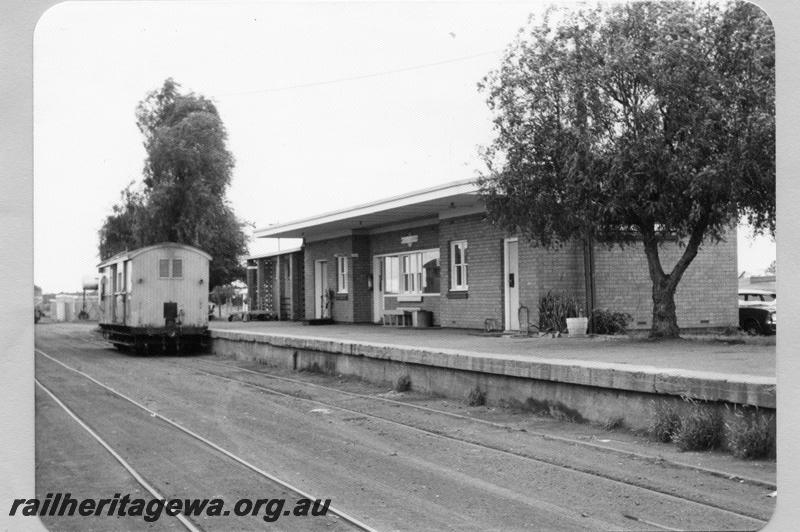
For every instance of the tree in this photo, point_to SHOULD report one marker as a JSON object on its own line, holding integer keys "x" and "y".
{"x": 637, "y": 123}
{"x": 186, "y": 174}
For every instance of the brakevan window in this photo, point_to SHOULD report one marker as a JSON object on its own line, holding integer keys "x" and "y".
{"x": 164, "y": 268}
{"x": 177, "y": 268}
{"x": 341, "y": 275}
{"x": 458, "y": 265}
{"x": 414, "y": 273}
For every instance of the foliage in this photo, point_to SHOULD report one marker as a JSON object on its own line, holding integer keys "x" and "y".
{"x": 186, "y": 174}
{"x": 751, "y": 436}
{"x": 701, "y": 428}
{"x": 329, "y": 299}
{"x": 554, "y": 309}
{"x": 636, "y": 123}
{"x": 664, "y": 422}
{"x": 120, "y": 230}
{"x": 403, "y": 383}
{"x": 607, "y": 322}
{"x": 476, "y": 397}
{"x": 614, "y": 423}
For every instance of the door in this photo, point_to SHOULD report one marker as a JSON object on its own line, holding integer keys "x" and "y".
{"x": 511, "y": 284}
{"x": 377, "y": 289}
{"x": 320, "y": 287}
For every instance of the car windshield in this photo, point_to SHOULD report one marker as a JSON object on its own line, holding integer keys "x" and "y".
{"x": 750, "y": 297}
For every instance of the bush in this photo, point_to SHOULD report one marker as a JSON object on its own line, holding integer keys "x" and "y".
{"x": 476, "y": 397}
{"x": 607, "y": 322}
{"x": 554, "y": 309}
{"x": 701, "y": 428}
{"x": 751, "y": 436}
{"x": 403, "y": 383}
{"x": 665, "y": 421}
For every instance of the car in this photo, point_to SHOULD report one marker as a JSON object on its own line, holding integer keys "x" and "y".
{"x": 757, "y": 311}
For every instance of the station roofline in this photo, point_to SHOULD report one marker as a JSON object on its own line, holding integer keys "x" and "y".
{"x": 371, "y": 210}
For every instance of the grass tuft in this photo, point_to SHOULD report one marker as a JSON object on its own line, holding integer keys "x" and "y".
{"x": 403, "y": 383}
{"x": 665, "y": 421}
{"x": 476, "y": 397}
{"x": 701, "y": 428}
{"x": 614, "y": 423}
{"x": 751, "y": 436}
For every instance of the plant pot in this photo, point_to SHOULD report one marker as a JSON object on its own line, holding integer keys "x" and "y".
{"x": 576, "y": 327}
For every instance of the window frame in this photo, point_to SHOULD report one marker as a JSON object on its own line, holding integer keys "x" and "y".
{"x": 342, "y": 270}
{"x": 414, "y": 275}
{"x": 464, "y": 265}
{"x": 172, "y": 269}
{"x": 160, "y": 262}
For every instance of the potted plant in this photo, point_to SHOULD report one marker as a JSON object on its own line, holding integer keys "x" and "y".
{"x": 577, "y": 325}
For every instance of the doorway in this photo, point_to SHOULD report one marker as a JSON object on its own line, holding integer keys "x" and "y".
{"x": 377, "y": 289}
{"x": 320, "y": 288}
{"x": 511, "y": 276}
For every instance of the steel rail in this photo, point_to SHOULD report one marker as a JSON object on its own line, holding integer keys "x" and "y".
{"x": 350, "y": 519}
{"x": 473, "y": 443}
{"x": 135, "y": 474}
{"x": 544, "y": 436}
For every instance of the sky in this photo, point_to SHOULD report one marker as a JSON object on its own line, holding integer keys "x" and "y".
{"x": 326, "y": 105}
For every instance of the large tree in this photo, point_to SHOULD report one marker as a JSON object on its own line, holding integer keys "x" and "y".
{"x": 636, "y": 124}
{"x": 186, "y": 174}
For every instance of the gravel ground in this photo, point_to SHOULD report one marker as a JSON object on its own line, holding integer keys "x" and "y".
{"x": 388, "y": 475}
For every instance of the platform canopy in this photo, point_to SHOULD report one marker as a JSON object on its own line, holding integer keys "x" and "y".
{"x": 441, "y": 201}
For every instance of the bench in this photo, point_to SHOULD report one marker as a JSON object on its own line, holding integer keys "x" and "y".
{"x": 396, "y": 318}
{"x": 407, "y": 317}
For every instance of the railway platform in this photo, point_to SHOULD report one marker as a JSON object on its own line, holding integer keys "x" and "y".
{"x": 587, "y": 379}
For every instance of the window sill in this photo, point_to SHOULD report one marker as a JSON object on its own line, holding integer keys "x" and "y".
{"x": 458, "y": 294}
{"x": 341, "y": 297}
{"x": 409, "y": 298}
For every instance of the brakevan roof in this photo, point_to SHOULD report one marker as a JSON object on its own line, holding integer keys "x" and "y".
{"x": 423, "y": 204}
{"x": 126, "y": 255}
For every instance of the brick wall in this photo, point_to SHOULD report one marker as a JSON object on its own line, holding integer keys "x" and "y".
{"x": 382, "y": 243}
{"x": 706, "y": 295}
{"x": 327, "y": 250}
{"x": 360, "y": 271}
{"x": 298, "y": 286}
{"x": 484, "y": 272}
{"x": 544, "y": 270}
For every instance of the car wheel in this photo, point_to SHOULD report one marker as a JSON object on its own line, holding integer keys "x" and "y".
{"x": 752, "y": 327}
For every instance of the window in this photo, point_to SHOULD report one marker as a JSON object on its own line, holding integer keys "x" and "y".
{"x": 163, "y": 268}
{"x": 431, "y": 272}
{"x": 341, "y": 275}
{"x": 391, "y": 275}
{"x": 412, "y": 276}
{"x": 414, "y": 273}
{"x": 177, "y": 268}
{"x": 164, "y": 271}
{"x": 458, "y": 265}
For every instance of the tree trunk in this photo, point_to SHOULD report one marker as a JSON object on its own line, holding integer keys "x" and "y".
{"x": 665, "y": 320}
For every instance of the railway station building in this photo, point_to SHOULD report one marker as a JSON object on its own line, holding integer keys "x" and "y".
{"x": 433, "y": 254}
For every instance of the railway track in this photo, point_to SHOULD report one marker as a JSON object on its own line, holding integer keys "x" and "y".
{"x": 330, "y": 404}
{"x": 453, "y": 415}
{"x": 185, "y": 521}
{"x": 212, "y": 369}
